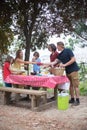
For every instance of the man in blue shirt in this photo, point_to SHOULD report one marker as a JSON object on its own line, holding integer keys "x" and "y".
{"x": 68, "y": 60}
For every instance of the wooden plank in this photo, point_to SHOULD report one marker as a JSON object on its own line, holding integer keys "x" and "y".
{"x": 35, "y": 95}
{"x": 24, "y": 91}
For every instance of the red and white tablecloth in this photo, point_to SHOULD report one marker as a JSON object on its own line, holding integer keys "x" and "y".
{"x": 41, "y": 81}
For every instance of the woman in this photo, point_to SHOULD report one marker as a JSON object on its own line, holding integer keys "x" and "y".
{"x": 53, "y": 56}
{"x": 17, "y": 68}
{"x": 54, "y": 53}
{"x": 19, "y": 63}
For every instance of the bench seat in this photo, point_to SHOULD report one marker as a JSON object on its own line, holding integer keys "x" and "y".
{"x": 35, "y": 95}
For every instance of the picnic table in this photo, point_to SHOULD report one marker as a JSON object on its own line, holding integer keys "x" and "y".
{"x": 47, "y": 81}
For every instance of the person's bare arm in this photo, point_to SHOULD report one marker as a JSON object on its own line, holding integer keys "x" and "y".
{"x": 25, "y": 62}
{"x": 57, "y": 61}
{"x": 68, "y": 63}
{"x": 51, "y": 63}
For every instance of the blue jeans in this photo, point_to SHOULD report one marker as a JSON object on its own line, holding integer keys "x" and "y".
{"x": 8, "y": 84}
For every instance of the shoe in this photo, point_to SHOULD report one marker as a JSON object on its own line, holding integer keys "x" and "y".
{"x": 52, "y": 98}
{"x": 71, "y": 101}
{"x": 76, "y": 103}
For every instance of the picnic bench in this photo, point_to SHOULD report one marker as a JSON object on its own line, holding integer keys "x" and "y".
{"x": 35, "y": 95}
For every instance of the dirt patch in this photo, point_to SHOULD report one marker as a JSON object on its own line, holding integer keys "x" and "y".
{"x": 13, "y": 117}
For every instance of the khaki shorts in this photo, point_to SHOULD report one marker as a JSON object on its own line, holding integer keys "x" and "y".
{"x": 74, "y": 79}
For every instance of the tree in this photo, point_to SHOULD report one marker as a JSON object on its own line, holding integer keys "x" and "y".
{"x": 6, "y": 35}
{"x": 81, "y": 30}
{"x": 35, "y": 20}
{"x": 32, "y": 23}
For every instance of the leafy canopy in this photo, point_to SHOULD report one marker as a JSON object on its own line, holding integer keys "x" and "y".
{"x": 35, "y": 20}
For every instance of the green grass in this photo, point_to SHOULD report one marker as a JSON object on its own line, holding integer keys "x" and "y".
{"x": 49, "y": 90}
{"x": 83, "y": 88}
{"x": 1, "y": 84}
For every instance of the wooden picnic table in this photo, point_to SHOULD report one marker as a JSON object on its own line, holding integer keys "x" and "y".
{"x": 47, "y": 81}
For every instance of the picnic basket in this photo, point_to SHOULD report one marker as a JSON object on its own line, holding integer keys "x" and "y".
{"x": 58, "y": 71}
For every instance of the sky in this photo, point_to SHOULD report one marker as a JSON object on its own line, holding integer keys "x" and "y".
{"x": 80, "y": 53}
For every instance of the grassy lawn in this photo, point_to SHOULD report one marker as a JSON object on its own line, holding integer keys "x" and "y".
{"x": 1, "y": 84}
{"x": 83, "y": 88}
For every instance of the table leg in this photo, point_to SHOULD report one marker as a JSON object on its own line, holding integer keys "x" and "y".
{"x": 17, "y": 95}
{"x": 55, "y": 92}
{"x": 7, "y": 97}
{"x": 33, "y": 102}
{"x": 45, "y": 99}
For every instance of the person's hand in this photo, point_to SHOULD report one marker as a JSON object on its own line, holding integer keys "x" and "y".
{"x": 62, "y": 65}
{"x": 39, "y": 63}
{"x": 45, "y": 66}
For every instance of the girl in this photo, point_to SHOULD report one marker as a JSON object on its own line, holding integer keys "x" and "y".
{"x": 6, "y": 69}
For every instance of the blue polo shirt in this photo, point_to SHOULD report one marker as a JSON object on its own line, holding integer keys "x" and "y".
{"x": 64, "y": 57}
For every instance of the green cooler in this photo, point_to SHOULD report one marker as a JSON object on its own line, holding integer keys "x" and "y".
{"x": 63, "y": 101}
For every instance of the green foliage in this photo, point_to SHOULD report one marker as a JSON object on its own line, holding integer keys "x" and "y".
{"x": 35, "y": 20}
{"x": 6, "y": 34}
{"x": 72, "y": 43}
{"x": 1, "y": 84}
{"x": 6, "y": 37}
{"x": 83, "y": 88}
{"x": 81, "y": 29}
{"x": 83, "y": 78}
{"x": 83, "y": 71}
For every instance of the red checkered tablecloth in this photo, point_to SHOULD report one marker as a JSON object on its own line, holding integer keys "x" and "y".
{"x": 33, "y": 80}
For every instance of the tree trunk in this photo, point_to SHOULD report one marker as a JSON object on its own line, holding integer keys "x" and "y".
{"x": 27, "y": 51}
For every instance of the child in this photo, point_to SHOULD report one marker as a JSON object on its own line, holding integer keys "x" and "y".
{"x": 36, "y": 67}
{"x": 6, "y": 69}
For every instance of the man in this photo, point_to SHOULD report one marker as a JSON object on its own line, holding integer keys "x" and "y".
{"x": 68, "y": 60}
